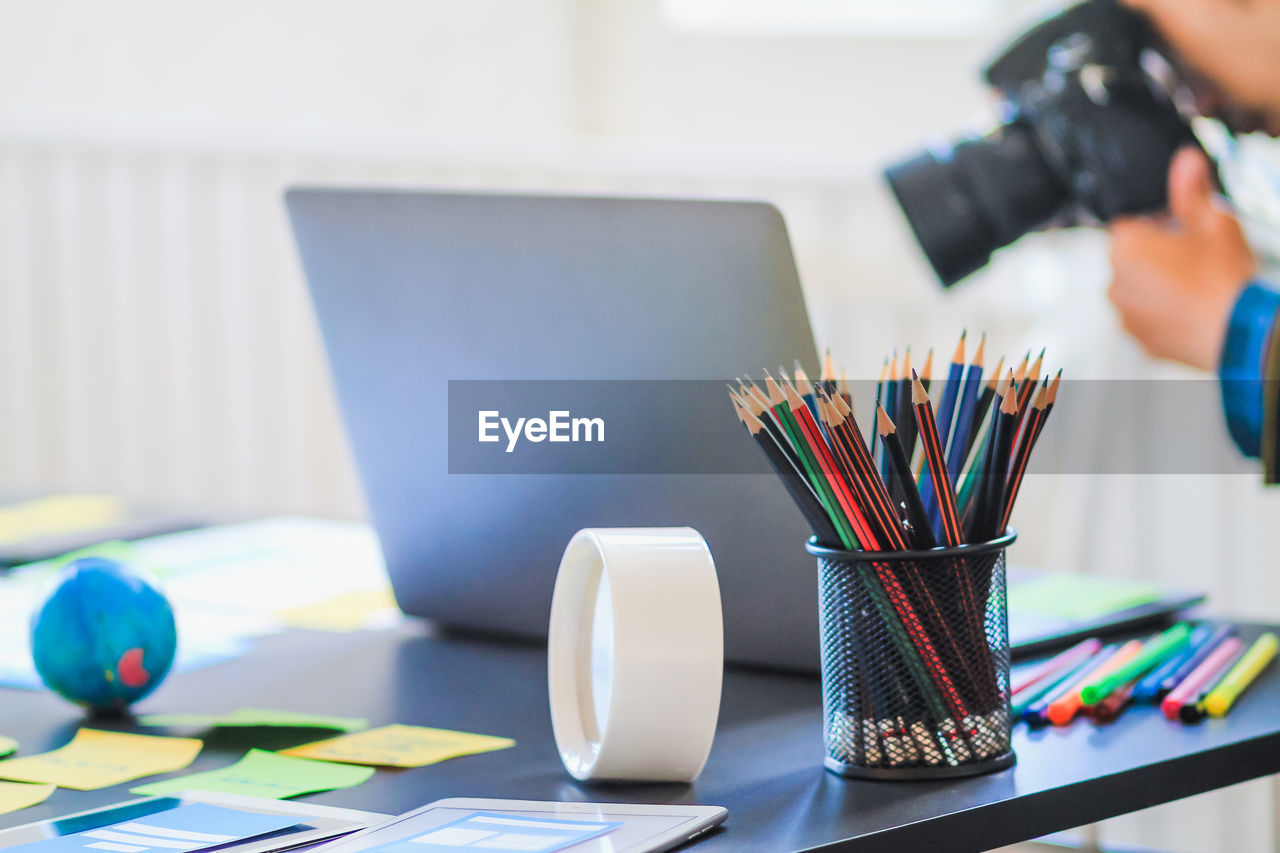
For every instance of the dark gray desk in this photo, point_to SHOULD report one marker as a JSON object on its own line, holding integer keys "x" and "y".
{"x": 766, "y": 766}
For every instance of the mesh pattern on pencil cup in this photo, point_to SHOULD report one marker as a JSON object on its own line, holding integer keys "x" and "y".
{"x": 915, "y": 661}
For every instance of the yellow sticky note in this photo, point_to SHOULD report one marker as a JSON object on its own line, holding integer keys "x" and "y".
{"x": 399, "y": 746}
{"x": 58, "y": 515}
{"x": 347, "y": 612}
{"x": 96, "y": 759}
{"x": 19, "y": 795}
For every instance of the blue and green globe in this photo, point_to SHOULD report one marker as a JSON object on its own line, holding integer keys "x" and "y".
{"x": 104, "y": 637}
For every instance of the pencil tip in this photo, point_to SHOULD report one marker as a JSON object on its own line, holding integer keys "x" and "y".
{"x": 883, "y": 421}
{"x": 918, "y": 394}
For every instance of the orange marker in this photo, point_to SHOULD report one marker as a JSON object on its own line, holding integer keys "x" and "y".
{"x": 1064, "y": 710}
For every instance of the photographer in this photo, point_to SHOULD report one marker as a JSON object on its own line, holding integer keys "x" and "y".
{"x": 1186, "y": 285}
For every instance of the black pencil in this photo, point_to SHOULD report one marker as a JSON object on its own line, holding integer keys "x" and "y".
{"x": 1026, "y": 441}
{"x": 1028, "y": 383}
{"x": 903, "y": 418}
{"x": 922, "y": 534}
{"x": 990, "y": 499}
{"x": 796, "y": 485}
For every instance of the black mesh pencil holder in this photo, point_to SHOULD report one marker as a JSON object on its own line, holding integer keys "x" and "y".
{"x": 915, "y": 661}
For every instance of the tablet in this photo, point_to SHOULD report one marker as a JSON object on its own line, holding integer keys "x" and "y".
{"x": 229, "y": 822}
{"x": 485, "y": 826}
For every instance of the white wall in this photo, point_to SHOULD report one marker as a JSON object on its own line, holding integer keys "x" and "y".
{"x": 155, "y": 335}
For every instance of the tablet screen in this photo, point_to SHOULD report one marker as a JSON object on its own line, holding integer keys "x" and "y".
{"x": 452, "y": 830}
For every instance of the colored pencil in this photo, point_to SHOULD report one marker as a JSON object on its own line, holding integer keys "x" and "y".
{"x": 921, "y": 529}
{"x": 903, "y": 417}
{"x": 1027, "y": 384}
{"x": 976, "y": 469}
{"x": 802, "y": 382}
{"x": 828, "y": 377}
{"x": 869, "y": 489}
{"x": 964, "y": 416}
{"x": 1022, "y": 454}
{"x": 988, "y": 508}
{"x": 856, "y": 493}
{"x": 876, "y": 451}
{"x": 799, "y": 489}
{"x": 889, "y": 400}
{"x": 980, "y": 410}
{"x": 931, "y": 443}
{"x": 942, "y": 427}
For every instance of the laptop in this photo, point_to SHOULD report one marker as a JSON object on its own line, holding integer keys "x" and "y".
{"x": 414, "y": 289}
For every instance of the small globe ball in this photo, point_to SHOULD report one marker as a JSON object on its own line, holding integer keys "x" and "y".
{"x": 104, "y": 637}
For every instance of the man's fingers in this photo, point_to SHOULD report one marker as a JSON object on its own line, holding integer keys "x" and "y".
{"x": 1190, "y": 187}
{"x": 1136, "y": 237}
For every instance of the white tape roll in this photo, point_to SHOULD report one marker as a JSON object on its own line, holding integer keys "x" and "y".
{"x": 635, "y": 654}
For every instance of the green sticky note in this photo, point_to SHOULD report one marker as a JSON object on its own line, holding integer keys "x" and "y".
{"x": 7, "y": 745}
{"x": 254, "y": 717}
{"x": 265, "y": 774}
{"x": 1080, "y": 597}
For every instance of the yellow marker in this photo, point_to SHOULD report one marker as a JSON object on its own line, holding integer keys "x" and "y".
{"x": 1254, "y": 661}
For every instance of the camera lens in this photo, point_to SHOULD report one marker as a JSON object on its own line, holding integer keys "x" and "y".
{"x": 980, "y": 194}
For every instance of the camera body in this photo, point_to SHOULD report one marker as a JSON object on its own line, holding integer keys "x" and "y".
{"x": 1087, "y": 135}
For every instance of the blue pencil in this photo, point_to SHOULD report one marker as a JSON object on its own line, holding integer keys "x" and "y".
{"x": 964, "y": 417}
{"x": 944, "y": 412}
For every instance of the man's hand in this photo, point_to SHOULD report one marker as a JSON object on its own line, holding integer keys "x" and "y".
{"x": 1177, "y": 278}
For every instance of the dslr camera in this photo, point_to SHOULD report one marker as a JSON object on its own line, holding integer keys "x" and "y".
{"x": 1088, "y": 128}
